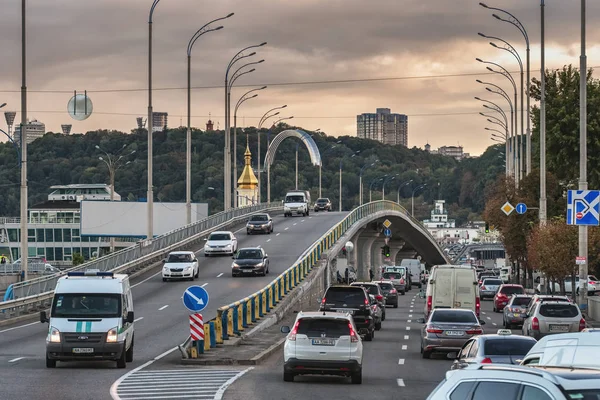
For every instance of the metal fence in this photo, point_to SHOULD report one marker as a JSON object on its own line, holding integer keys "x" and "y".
{"x": 144, "y": 248}
{"x": 14, "y": 269}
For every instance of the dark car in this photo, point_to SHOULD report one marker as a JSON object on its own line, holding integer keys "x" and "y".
{"x": 250, "y": 261}
{"x": 374, "y": 289}
{"x": 390, "y": 293}
{"x": 262, "y": 223}
{"x": 322, "y": 205}
{"x": 353, "y": 300}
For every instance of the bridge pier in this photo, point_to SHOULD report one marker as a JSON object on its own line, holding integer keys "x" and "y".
{"x": 366, "y": 245}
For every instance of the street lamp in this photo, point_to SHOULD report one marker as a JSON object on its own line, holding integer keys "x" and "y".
{"x": 23, "y": 205}
{"x": 494, "y": 107}
{"x": 515, "y": 22}
{"x": 269, "y": 164}
{"x": 362, "y": 170}
{"x": 412, "y": 210}
{"x": 505, "y": 142}
{"x": 227, "y": 150}
{"x": 400, "y": 187}
{"x": 263, "y": 119}
{"x": 341, "y": 160}
{"x": 188, "y": 159}
{"x": 242, "y": 99}
{"x": 371, "y": 186}
{"x": 389, "y": 179}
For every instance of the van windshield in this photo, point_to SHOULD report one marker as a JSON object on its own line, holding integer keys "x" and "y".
{"x": 86, "y": 305}
{"x": 294, "y": 199}
{"x": 392, "y": 275}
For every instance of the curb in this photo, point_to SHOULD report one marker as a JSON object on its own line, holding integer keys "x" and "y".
{"x": 256, "y": 360}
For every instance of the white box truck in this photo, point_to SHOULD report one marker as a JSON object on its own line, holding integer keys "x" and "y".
{"x": 415, "y": 270}
{"x": 452, "y": 286}
{"x": 297, "y": 202}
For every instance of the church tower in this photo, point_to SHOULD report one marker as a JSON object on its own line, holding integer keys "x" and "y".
{"x": 247, "y": 190}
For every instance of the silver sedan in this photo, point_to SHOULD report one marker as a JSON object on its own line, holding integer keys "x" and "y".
{"x": 447, "y": 330}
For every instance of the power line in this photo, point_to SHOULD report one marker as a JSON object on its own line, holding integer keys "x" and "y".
{"x": 302, "y": 83}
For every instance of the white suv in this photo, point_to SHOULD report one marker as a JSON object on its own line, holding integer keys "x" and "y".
{"x": 180, "y": 265}
{"x": 323, "y": 343}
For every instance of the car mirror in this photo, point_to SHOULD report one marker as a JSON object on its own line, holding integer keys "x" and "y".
{"x": 452, "y": 355}
{"x": 130, "y": 317}
{"x": 481, "y": 322}
{"x": 285, "y": 329}
{"x": 518, "y": 362}
{"x": 233, "y": 257}
{"x": 195, "y": 260}
{"x": 43, "y": 317}
{"x": 421, "y": 320}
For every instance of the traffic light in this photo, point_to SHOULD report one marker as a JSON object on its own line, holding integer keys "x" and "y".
{"x": 386, "y": 250}
{"x": 487, "y": 227}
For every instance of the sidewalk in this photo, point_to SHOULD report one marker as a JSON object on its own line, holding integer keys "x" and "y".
{"x": 250, "y": 351}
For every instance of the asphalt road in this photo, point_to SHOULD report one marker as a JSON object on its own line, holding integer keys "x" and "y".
{"x": 393, "y": 368}
{"x": 161, "y": 322}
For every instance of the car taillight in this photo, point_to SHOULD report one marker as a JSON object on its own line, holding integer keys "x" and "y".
{"x": 366, "y": 302}
{"x": 591, "y": 283}
{"x": 402, "y": 281}
{"x": 477, "y": 306}
{"x": 434, "y": 330}
{"x": 486, "y": 361}
{"x": 480, "y": 282}
{"x": 482, "y": 287}
{"x": 535, "y": 324}
{"x": 323, "y": 301}
{"x": 581, "y": 324}
{"x": 379, "y": 297}
{"x": 353, "y": 336}
{"x": 429, "y": 304}
{"x": 393, "y": 291}
{"x": 294, "y": 332}
{"x": 477, "y": 331}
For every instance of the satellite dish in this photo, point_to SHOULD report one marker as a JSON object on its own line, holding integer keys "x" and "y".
{"x": 80, "y": 107}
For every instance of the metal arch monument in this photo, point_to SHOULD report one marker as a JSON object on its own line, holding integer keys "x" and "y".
{"x": 311, "y": 146}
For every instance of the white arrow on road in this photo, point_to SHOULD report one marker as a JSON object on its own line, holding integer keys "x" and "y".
{"x": 200, "y": 301}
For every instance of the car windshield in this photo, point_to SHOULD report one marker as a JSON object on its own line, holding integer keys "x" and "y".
{"x": 219, "y": 236}
{"x": 392, "y": 275}
{"x": 73, "y": 305}
{"x": 492, "y": 282}
{"x": 371, "y": 289}
{"x": 345, "y": 296}
{"x": 294, "y": 199}
{"x": 453, "y": 316}
{"x": 323, "y": 327}
{"x": 592, "y": 278}
{"x": 512, "y": 290}
{"x": 179, "y": 258}
{"x": 322, "y": 201}
{"x": 559, "y": 310}
{"x": 507, "y": 347}
{"x": 521, "y": 301}
{"x": 259, "y": 218}
{"x": 588, "y": 394}
{"x": 386, "y": 286}
{"x": 249, "y": 254}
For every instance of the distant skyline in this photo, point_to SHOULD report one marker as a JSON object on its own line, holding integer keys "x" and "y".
{"x": 328, "y": 60}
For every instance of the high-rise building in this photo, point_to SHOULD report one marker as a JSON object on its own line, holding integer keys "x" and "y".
{"x": 383, "y": 126}
{"x": 10, "y": 120}
{"x": 159, "y": 121}
{"x": 35, "y": 130}
{"x": 452, "y": 151}
{"x": 141, "y": 122}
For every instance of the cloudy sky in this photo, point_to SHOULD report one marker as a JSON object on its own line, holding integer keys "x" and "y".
{"x": 423, "y": 46}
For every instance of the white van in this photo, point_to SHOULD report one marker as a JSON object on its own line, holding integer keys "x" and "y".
{"x": 452, "y": 286}
{"x": 91, "y": 319}
{"x": 414, "y": 269}
{"x": 296, "y": 202}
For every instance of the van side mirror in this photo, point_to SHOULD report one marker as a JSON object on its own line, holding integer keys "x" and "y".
{"x": 43, "y": 317}
{"x": 129, "y": 318}
{"x": 481, "y": 322}
{"x": 285, "y": 329}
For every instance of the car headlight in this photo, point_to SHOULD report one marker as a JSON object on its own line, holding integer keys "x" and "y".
{"x": 54, "y": 335}
{"x": 259, "y": 265}
{"x": 111, "y": 336}
{"x": 166, "y": 269}
{"x": 234, "y": 265}
{"x": 188, "y": 268}
{"x": 265, "y": 225}
{"x": 228, "y": 246}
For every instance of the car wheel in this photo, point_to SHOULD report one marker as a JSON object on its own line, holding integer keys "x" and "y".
{"x": 122, "y": 361}
{"x": 205, "y": 254}
{"x": 396, "y": 305}
{"x": 356, "y": 377}
{"x": 316, "y": 210}
{"x": 403, "y": 293}
{"x": 164, "y": 279}
{"x": 307, "y": 212}
{"x": 507, "y": 325}
{"x": 288, "y": 377}
{"x": 50, "y": 363}
{"x": 267, "y": 270}
{"x": 233, "y": 275}
{"x": 383, "y": 317}
{"x": 248, "y": 233}
{"x": 129, "y": 353}
{"x": 426, "y": 354}
{"x": 369, "y": 336}
{"x": 197, "y": 272}
{"x": 269, "y": 232}
{"x": 378, "y": 326}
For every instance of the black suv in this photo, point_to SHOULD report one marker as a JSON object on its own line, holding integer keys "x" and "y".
{"x": 390, "y": 293}
{"x": 322, "y": 205}
{"x": 354, "y": 300}
{"x": 259, "y": 223}
{"x": 374, "y": 289}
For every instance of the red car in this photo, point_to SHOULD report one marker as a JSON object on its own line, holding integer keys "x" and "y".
{"x": 503, "y": 295}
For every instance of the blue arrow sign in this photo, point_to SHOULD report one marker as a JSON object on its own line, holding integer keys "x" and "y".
{"x": 387, "y": 232}
{"x": 195, "y": 298}
{"x": 521, "y": 208}
{"x": 583, "y": 207}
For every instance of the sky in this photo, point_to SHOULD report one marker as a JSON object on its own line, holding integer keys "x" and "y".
{"x": 415, "y": 57}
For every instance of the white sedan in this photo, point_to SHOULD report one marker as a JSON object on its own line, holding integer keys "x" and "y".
{"x": 222, "y": 242}
{"x": 180, "y": 265}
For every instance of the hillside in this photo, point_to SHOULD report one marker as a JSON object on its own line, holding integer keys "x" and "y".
{"x": 56, "y": 159}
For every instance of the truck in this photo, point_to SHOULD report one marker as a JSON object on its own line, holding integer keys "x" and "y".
{"x": 415, "y": 271}
{"x": 452, "y": 286}
{"x": 297, "y": 202}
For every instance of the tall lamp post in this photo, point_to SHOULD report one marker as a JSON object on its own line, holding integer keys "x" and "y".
{"x": 188, "y": 154}
{"x": 412, "y": 209}
{"x": 583, "y": 185}
{"x": 227, "y": 150}
{"x": 242, "y": 99}
{"x": 269, "y": 164}
{"x": 515, "y": 22}
{"x": 505, "y": 141}
{"x": 388, "y": 179}
{"x": 362, "y": 170}
{"x": 374, "y": 181}
{"x": 150, "y": 125}
{"x": 113, "y": 163}
{"x": 24, "y": 235}
{"x": 341, "y": 171}
{"x": 321, "y": 166}
{"x": 495, "y": 107}
{"x": 400, "y": 188}
{"x": 263, "y": 119}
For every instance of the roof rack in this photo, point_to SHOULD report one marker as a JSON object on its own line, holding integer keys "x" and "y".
{"x": 91, "y": 273}
{"x": 526, "y": 370}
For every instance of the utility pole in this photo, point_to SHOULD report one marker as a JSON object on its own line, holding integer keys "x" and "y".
{"x": 543, "y": 214}
{"x": 24, "y": 216}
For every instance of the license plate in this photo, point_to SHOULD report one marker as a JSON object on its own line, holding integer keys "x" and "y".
{"x": 454, "y": 333}
{"x": 343, "y": 311}
{"x": 176, "y": 274}
{"x": 82, "y": 350}
{"x": 559, "y": 328}
{"x": 323, "y": 342}
{"x": 247, "y": 271}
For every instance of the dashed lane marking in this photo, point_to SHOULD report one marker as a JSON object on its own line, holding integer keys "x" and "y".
{"x": 278, "y": 234}
{"x": 163, "y": 307}
{"x": 220, "y": 275}
{"x": 406, "y": 337}
{"x": 16, "y": 359}
{"x": 483, "y": 312}
{"x": 400, "y": 382}
{"x": 204, "y": 284}
{"x": 295, "y": 223}
{"x": 268, "y": 240}
{"x": 409, "y": 315}
{"x": 287, "y": 228}
{"x": 138, "y": 319}
{"x": 404, "y": 347}
{"x": 489, "y": 317}
{"x": 495, "y": 324}
{"x": 401, "y": 361}
{"x": 409, "y": 321}
{"x": 408, "y": 328}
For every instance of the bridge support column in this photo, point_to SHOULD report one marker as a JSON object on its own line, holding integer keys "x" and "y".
{"x": 332, "y": 273}
{"x": 365, "y": 244}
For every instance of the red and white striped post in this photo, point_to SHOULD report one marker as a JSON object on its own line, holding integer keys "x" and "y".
{"x": 197, "y": 331}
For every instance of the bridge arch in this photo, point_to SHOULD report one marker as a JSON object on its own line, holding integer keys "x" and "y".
{"x": 309, "y": 143}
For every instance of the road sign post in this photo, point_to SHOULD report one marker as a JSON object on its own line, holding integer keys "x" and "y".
{"x": 507, "y": 208}
{"x": 197, "y": 331}
{"x": 521, "y": 208}
{"x": 195, "y": 298}
{"x": 387, "y": 232}
{"x": 583, "y": 207}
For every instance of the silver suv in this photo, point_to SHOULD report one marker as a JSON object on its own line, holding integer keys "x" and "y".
{"x": 550, "y": 317}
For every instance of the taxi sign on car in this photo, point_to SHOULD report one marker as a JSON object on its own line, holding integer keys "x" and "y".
{"x": 504, "y": 332}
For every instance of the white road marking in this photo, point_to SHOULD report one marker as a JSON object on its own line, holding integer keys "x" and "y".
{"x": 406, "y": 337}
{"x": 400, "y": 382}
{"x": 483, "y": 312}
{"x": 401, "y": 361}
{"x": 295, "y": 223}
{"x": 309, "y": 217}
{"x": 138, "y": 319}
{"x": 147, "y": 279}
{"x": 16, "y": 359}
{"x": 268, "y": 240}
{"x": 19, "y": 327}
{"x": 489, "y": 317}
{"x": 410, "y": 320}
{"x": 303, "y": 220}
{"x": 163, "y": 307}
{"x": 404, "y": 347}
{"x": 495, "y": 324}
{"x": 220, "y": 275}
{"x": 278, "y": 234}
{"x": 204, "y": 284}
{"x": 287, "y": 228}
{"x": 408, "y": 328}
{"x": 409, "y": 315}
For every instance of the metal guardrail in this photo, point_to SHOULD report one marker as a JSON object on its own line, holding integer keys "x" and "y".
{"x": 234, "y": 318}
{"x": 34, "y": 293}
{"x": 12, "y": 269}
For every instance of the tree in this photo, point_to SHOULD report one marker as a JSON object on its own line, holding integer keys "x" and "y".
{"x": 77, "y": 259}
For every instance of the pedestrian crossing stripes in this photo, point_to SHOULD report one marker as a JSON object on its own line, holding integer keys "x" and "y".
{"x": 188, "y": 384}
